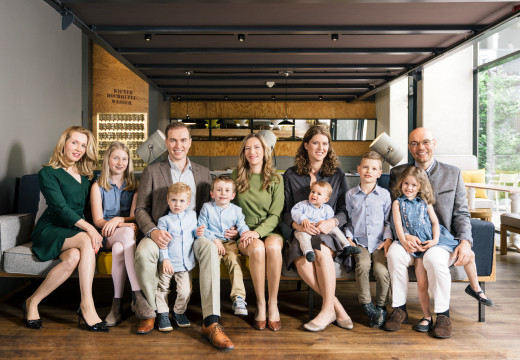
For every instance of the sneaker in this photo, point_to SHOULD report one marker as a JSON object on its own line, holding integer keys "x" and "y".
{"x": 398, "y": 317}
{"x": 163, "y": 322}
{"x": 374, "y": 314}
{"x": 310, "y": 256}
{"x": 442, "y": 327}
{"x": 181, "y": 320}
{"x": 239, "y": 306}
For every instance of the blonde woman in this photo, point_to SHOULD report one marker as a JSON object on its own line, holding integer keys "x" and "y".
{"x": 316, "y": 161}
{"x": 61, "y": 231}
{"x": 260, "y": 195}
{"x": 113, "y": 199}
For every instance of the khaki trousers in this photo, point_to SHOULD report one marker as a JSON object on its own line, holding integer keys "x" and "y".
{"x": 147, "y": 257}
{"x": 231, "y": 260}
{"x": 364, "y": 262}
{"x": 183, "y": 280}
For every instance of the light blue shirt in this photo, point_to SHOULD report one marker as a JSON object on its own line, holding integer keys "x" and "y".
{"x": 217, "y": 220}
{"x": 186, "y": 176}
{"x": 305, "y": 210}
{"x": 116, "y": 201}
{"x": 368, "y": 216}
{"x": 180, "y": 248}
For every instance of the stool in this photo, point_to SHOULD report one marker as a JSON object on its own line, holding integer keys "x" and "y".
{"x": 483, "y": 214}
{"x": 508, "y": 222}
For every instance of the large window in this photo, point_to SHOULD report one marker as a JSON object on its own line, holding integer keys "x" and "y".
{"x": 499, "y": 102}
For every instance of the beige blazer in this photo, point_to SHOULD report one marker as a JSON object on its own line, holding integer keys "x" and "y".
{"x": 153, "y": 187}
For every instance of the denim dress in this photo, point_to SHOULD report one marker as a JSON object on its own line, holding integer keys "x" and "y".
{"x": 416, "y": 222}
{"x": 116, "y": 202}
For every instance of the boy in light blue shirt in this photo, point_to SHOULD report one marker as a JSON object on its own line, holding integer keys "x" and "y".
{"x": 314, "y": 210}
{"x": 215, "y": 218}
{"x": 178, "y": 259}
{"x": 368, "y": 207}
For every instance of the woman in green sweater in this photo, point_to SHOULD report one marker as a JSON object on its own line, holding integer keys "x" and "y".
{"x": 260, "y": 194}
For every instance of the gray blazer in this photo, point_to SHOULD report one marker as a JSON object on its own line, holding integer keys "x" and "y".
{"x": 451, "y": 205}
{"x": 153, "y": 187}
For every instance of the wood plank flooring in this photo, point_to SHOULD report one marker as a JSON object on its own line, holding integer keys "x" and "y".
{"x": 497, "y": 338}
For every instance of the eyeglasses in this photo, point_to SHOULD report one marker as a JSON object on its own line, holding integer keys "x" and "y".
{"x": 425, "y": 143}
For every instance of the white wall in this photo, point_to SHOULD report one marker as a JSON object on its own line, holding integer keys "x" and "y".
{"x": 447, "y": 102}
{"x": 40, "y": 88}
{"x": 392, "y": 114}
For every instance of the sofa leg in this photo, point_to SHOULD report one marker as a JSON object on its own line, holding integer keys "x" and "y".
{"x": 311, "y": 304}
{"x": 503, "y": 241}
{"x": 481, "y": 307}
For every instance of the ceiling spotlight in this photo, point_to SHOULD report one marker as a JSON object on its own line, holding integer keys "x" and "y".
{"x": 241, "y": 37}
{"x": 270, "y": 84}
{"x": 147, "y": 37}
{"x": 320, "y": 97}
{"x": 226, "y": 98}
{"x": 334, "y": 37}
{"x": 178, "y": 98}
{"x": 273, "y": 97}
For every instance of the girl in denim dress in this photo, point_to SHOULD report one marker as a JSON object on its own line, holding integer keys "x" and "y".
{"x": 413, "y": 214}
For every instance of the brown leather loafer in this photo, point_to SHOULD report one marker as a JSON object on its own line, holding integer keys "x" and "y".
{"x": 145, "y": 326}
{"x": 442, "y": 327}
{"x": 395, "y": 321}
{"x": 217, "y": 337}
{"x": 274, "y": 325}
{"x": 259, "y": 324}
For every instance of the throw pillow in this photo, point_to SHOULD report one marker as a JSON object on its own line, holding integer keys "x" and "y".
{"x": 476, "y": 176}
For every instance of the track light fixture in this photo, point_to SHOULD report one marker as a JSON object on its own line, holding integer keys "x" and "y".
{"x": 334, "y": 37}
{"x": 320, "y": 97}
{"x": 241, "y": 37}
{"x": 147, "y": 37}
{"x": 178, "y": 98}
{"x": 188, "y": 73}
{"x": 273, "y": 97}
{"x": 226, "y": 98}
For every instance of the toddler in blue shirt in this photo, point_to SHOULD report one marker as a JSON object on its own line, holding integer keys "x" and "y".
{"x": 215, "y": 218}
{"x": 178, "y": 259}
{"x": 314, "y": 210}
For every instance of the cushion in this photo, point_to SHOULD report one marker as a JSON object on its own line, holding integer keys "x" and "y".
{"x": 476, "y": 176}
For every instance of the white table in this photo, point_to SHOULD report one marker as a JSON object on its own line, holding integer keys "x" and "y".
{"x": 514, "y": 239}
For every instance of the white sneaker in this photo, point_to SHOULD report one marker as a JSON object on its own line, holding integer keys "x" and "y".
{"x": 239, "y": 306}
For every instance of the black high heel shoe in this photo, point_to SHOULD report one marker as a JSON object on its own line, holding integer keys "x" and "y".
{"x": 31, "y": 324}
{"x": 99, "y": 327}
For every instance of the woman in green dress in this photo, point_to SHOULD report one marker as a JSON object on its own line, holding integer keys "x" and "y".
{"x": 260, "y": 194}
{"x": 61, "y": 231}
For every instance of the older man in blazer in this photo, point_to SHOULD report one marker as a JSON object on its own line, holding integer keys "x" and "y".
{"x": 451, "y": 208}
{"x": 151, "y": 205}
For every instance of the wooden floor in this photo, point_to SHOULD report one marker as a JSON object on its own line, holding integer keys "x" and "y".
{"x": 497, "y": 338}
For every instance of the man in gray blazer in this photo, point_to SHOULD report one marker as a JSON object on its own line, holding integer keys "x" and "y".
{"x": 451, "y": 208}
{"x": 151, "y": 205}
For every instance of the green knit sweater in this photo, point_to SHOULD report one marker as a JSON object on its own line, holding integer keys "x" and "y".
{"x": 262, "y": 209}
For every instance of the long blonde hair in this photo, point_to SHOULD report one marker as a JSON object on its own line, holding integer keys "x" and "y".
{"x": 301, "y": 160}
{"x": 86, "y": 165}
{"x": 425, "y": 192}
{"x": 128, "y": 176}
{"x": 244, "y": 171}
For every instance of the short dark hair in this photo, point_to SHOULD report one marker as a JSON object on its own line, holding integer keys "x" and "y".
{"x": 176, "y": 125}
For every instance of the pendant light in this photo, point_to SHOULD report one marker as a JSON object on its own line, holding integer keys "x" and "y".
{"x": 187, "y": 121}
{"x": 286, "y": 122}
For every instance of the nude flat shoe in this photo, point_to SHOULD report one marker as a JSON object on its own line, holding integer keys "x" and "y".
{"x": 311, "y": 326}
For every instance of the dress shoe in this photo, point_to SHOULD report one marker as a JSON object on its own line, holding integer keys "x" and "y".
{"x": 274, "y": 325}
{"x": 145, "y": 326}
{"x": 216, "y": 336}
{"x": 398, "y": 317}
{"x": 312, "y": 326}
{"x": 259, "y": 324}
{"x": 442, "y": 327}
{"x": 98, "y": 327}
{"x": 345, "y": 323}
{"x": 31, "y": 324}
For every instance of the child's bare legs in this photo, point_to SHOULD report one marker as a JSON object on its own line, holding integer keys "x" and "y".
{"x": 471, "y": 271}
{"x": 422, "y": 290}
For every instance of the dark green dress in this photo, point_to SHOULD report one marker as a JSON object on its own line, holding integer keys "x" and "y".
{"x": 65, "y": 198}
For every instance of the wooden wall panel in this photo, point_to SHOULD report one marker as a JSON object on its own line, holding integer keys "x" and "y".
{"x": 274, "y": 110}
{"x": 115, "y": 89}
{"x": 282, "y": 148}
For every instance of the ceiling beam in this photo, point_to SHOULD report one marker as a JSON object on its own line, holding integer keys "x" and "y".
{"x": 363, "y": 66}
{"x": 287, "y": 51}
{"x": 267, "y": 94}
{"x": 277, "y": 86}
{"x": 274, "y": 76}
{"x": 290, "y": 30}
